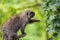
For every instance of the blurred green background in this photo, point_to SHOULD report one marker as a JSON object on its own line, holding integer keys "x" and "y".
{"x": 47, "y": 11}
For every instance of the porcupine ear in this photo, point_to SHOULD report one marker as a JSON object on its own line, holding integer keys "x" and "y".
{"x": 27, "y": 11}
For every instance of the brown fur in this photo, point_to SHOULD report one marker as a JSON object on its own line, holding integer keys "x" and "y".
{"x": 16, "y": 22}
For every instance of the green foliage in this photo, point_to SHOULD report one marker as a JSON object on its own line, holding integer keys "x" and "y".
{"x": 52, "y": 9}
{"x": 48, "y": 14}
